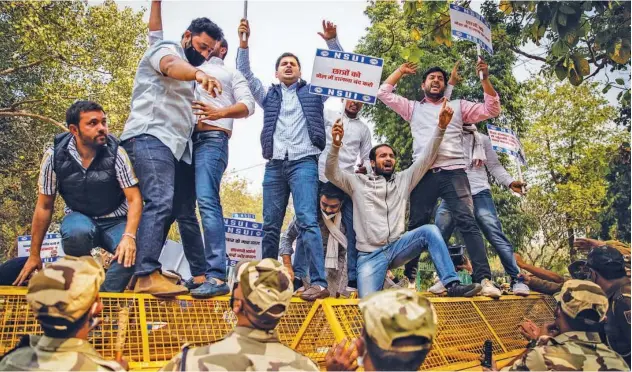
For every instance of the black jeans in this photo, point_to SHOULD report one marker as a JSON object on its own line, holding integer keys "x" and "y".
{"x": 453, "y": 187}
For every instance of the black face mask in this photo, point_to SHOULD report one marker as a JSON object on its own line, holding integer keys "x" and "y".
{"x": 194, "y": 57}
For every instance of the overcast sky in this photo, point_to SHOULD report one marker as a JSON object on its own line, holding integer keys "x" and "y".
{"x": 277, "y": 27}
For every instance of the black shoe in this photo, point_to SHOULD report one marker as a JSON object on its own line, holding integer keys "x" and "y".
{"x": 298, "y": 283}
{"x": 191, "y": 284}
{"x": 461, "y": 290}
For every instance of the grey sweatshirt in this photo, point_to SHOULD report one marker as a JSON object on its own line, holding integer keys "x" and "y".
{"x": 379, "y": 206}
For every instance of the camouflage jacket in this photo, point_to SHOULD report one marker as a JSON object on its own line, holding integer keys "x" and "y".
{"x": 617, "y": 327}
{"x": 570, "y": 351}
{"x": 244, "y": 349}
{"x": 56, "y": 354}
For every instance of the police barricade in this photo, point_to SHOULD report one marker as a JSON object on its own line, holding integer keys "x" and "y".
{"x": 158, "y": 328}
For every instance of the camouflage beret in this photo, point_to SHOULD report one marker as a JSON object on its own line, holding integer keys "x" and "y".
{"x": 65, "y": 289}
{"x": 396, "y": 313}
{"x": 265, "y": 284}
{"x": 579, "y": 295}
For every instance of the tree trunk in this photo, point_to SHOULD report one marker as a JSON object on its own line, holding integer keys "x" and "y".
{"x": 570, "y": 232}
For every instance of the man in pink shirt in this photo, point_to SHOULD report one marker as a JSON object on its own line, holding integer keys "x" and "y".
{"x": 447, "y": 178}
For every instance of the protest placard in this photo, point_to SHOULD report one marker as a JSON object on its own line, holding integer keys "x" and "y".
{"x": 469, "y": 25}
{"x": 346, "y": 75}
{"x": 506, "y": 141}
{"x": 243, "y": 239}
{"x": 51, "y": 249}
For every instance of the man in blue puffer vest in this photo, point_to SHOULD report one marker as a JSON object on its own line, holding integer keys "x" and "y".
{"x": 292, "y": 138}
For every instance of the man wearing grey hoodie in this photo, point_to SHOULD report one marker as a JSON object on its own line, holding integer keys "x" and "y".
{"x": 379, "y": 209}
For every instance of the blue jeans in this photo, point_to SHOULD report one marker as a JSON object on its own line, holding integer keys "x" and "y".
{"x": 372, "y": 266}
{"x": 300, "y": 178}
{"x": 210, "y": 154}
{"x": 80, "y": 233}
{"x": 168, "y": 189}
{"x": 352, "y": 253}
{"x": 487, "y": 219}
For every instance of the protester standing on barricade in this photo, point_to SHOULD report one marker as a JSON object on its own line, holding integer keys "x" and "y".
{"x": 157, "y": 137}
{"x": 94, "y": 176}
{"x": 293, "y": 136}
{"x": 379, "y": 202}
{"x": 64, "y": 297}
{"x": 447, "y": 178}
{"x": 357, "y": 146}
{"x": 261, "y": 296}
{"x": 213, "y": 129}
{"x": 572, "y": 342}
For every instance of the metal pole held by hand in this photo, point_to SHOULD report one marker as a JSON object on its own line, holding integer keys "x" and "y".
{"x": 243, "y": 36}
{"x": 478, "y": 54}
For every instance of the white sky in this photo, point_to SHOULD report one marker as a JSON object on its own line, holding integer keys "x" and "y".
{"x": 277, "y": 27}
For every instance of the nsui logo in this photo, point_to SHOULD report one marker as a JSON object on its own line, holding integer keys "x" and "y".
{"x": 324, "y": 53}
{"x": 373, "y": 61}
{"x": 366, "y": 98}
{"x": 318, "y": 90}
{"x": 255, "y": 225}
{"x": 459, "y": 34}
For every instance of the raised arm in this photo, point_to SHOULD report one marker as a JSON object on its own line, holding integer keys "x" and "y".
{"x": 330, "y": 35}
{"x": 402, "y": 106}
{"x": 333, "y": 172}
{"x": 155, "y": 22}
{"x": 473, "y": 113}
{"x": 243, "y": 63}
{"x": 418, "y": 169}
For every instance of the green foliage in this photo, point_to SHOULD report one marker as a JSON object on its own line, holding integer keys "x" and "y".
{"x": 56, "y": 52}
{"x": 570, "y": 143}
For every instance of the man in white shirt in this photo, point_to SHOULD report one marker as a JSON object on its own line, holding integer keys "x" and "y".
{"x": 357, "y": 145}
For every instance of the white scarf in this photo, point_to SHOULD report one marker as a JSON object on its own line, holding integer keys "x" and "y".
{"x": 477, "y": 152}
{"x": 335, "y": 237}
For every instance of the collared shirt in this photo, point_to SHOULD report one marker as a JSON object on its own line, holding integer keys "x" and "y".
{"x": 234, "y": 86}
{"x": 357, "y": 143}
{"x": 291, "y": 137}
{"x": 47, "y": 182}
{"x": 477, "y": 175}
{"x": 57, "y": 354}
{"x": 161, "y": 106}
{"x": 570, "y": 351}
{"x": 244, "y": 349}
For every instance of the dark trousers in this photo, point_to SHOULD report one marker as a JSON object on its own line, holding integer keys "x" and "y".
{"x": 453, "y": 187}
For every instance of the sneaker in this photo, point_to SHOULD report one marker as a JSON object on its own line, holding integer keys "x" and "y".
{"x": 406, "y": 283}
{"x": 463, "y": 290}
{"x": 158, "y": 285}
{"x": 349, "y": 292}
{"x": 438, "y": 288}
{"x": 489, "y": 289}
{"x": 314, "y": 293}
{"x": 520, "y": 289}
{"x": 210, "y": 288}
{"x": 191, "y": 284}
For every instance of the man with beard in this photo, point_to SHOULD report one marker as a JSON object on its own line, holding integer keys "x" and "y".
{"x": 358, "y": 145}
{"x": 95, "y": 178}
{"x": 157, "y": 136}
{"x": 379, "y": 203}
{"x": 214, "y": 126}
{"x": 447, "y": 178}
{"x": 292, "y": 138}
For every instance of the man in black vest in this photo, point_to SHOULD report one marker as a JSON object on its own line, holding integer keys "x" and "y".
{"x": 293, "y": 136}
{"x": 94, "y": 176}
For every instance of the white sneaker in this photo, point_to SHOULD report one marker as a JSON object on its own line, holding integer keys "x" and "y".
{"x": 489, "y": 289}
{"x": 520, "y": 289}
{"x": 437, "y": 288}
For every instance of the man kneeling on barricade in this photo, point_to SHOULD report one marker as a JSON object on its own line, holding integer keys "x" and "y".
{"x": 399, "y": 328}
{"x": 379, "y": 213}
{"x": 261, "y": 296}
{"x": 64, "y": 297}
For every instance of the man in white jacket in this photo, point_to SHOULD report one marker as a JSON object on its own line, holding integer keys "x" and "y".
{"x": 379, "y": 209}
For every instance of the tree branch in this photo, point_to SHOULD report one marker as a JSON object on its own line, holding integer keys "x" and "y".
{"x": 537, "y": 58}
{"x": 22, "y": 67}
{"x": 33, "y": 116}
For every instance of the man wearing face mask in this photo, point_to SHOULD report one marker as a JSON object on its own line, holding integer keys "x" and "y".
{"x": 335, "y": 243}
{"x": 64, "y": 297}
{"x": 214, "y": 127}
{"x": 293, "y": 136}
{"x": 447, "y": 178}
{"x": 157, "y": 137}
{"x": 261, "y": 296}
{"x": 379, "y": 211}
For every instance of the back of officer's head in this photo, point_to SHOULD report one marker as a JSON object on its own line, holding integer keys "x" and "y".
{"x": 399, "y": 328}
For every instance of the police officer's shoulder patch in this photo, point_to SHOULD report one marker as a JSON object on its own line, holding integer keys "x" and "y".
{"x": 627, "y": 316}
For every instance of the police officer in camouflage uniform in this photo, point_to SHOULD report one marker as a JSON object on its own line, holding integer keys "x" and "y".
{"x": 399, "y": 328}
{"x": 572, "y": 342}
{"x": 608, "y": 270}
{"x": 261, "y": 296}
{"x": 64, "y": 297}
